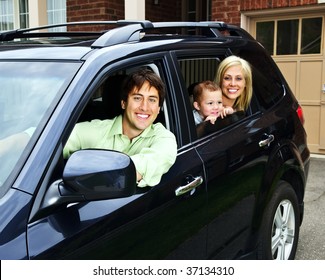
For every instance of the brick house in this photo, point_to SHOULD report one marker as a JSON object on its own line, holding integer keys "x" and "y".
{"x": 291, "y": 30}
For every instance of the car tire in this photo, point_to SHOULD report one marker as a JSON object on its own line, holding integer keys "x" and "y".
{"x": 279, "y": 232}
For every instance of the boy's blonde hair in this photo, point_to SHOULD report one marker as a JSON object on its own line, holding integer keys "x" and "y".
{"x": 200, "y": 87}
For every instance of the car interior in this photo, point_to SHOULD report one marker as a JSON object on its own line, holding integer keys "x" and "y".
{"x": 106, "y": 103}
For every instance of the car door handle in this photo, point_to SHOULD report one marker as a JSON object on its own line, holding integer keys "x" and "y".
{"x": 266, "y": 142}
{"x": 197, "y": 181}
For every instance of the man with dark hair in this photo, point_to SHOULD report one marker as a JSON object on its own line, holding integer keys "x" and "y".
{"x": 152, "y": 147}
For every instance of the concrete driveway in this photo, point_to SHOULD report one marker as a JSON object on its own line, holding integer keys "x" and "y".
{"x": 311, "y": 244}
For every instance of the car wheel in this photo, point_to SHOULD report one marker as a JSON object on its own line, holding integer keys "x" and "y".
{"x": 280, "y": 226}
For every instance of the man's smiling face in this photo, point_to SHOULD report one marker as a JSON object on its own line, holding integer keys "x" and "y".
{"x": 141, "y": 110}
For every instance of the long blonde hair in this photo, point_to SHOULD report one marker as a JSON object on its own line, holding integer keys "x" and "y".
{"x": 242, "y": 102}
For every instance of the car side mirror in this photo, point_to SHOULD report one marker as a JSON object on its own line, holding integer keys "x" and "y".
{"x": 91, "y": 175}
{"x": 99, "y": 174}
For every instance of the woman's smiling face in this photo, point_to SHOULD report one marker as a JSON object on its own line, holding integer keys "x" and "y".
{"x": 233, "y": 84}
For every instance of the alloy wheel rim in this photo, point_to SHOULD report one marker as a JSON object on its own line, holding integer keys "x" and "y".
{"x": 283, "y": 231}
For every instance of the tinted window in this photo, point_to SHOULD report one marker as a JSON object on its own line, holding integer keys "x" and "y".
{"x": 106, "y": 100}
{"x": 198, "y": 69}
{"x": 267, "y": 83}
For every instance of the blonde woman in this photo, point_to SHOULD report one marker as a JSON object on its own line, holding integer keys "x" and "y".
{"x": 234, "y": 76}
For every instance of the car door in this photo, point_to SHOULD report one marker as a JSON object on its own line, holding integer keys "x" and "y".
{"x": 234, "y": 162}
{"x": 234, "y": 166}
{"x": 166, "y": 221}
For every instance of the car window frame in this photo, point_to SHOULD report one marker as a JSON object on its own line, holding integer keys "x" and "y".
{"x": 219, "y": 53}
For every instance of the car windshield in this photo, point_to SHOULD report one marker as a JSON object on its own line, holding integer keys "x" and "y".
{"x": 28, "y": 94}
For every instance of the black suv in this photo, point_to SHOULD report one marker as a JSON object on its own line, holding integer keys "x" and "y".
{"x": 236, "y": 190}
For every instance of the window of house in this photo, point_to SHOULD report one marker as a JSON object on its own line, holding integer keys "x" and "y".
{"x": 263, "y": 31}
{"x": 287, "y": 37}
{"x": 13, "y": 14}
{"x": 297, "y": 36}
{"x": 311, "y": 35}
{"x": 23, "y": 14}
{"x": 57, "y": 13}
{"x": 7, "y": 17}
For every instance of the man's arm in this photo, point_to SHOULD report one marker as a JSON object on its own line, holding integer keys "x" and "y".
{"x": 154, "y": 161}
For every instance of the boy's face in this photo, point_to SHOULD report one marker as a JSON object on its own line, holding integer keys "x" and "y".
{"x": 141, "y": 110}
{"x": 210, "y": 103}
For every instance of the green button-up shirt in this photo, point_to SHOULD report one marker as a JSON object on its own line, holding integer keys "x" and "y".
{"x": 153, "y": 151}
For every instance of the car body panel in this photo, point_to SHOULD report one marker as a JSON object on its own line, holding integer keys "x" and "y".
{"x": 14, "y": 207}
{"x": 44, "y": 53}
{"x": 131, "y": 227}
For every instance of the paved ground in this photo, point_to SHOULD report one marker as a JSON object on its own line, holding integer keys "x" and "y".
{"x": 312, "y": 233}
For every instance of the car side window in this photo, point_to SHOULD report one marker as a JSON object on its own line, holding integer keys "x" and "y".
{"x": 267, "y": 84}
{"x": 198, "y": 69}
{"x": 105, "y": 102}
{"x": 194, "y": 71}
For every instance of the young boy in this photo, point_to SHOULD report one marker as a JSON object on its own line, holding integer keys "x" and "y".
{"x": 208, "y": 106}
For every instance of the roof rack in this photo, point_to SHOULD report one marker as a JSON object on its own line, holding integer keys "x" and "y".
{"x": 222, "y": 29}
{"x": 134, "y": 30}
{"x": 129, "y": 31}
{"x": 124, "y": 31}
{"x": 30, "y": 32}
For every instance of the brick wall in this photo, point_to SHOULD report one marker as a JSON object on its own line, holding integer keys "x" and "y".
{"x": 90, "y": 10}
{"x": 229, "y": 10}
{"x": 267, "y": 4}
{"x": 94, "y": 10}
